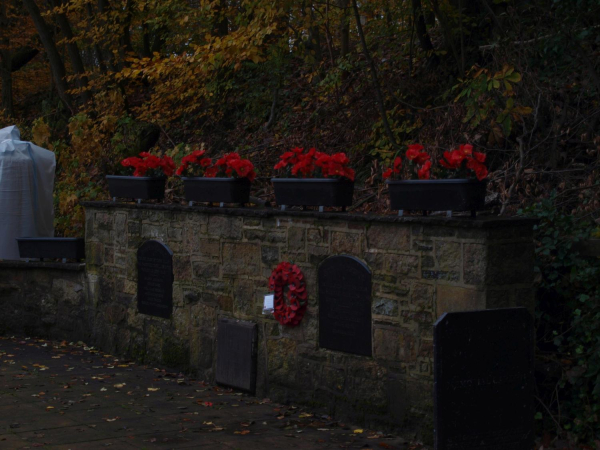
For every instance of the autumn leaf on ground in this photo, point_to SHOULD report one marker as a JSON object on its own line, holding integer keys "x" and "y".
{"x": 358, "y": 431}
{"x": 119, "y": 386}
{"x": 242, "y": 432}
{"x": 153, "y": 389}
{"x": 112, "y": 420}
{"x": 202, "y": 403}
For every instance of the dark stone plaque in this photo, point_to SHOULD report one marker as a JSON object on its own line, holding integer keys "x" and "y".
{"x": 484, "y": 380}
{"x": 345, "y": 305}
{"x": 155, "y": 279}
{"x": 236, "y": 354}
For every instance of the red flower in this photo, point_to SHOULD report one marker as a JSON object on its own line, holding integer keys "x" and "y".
{"x": 466, "y": 149}
{"x": 413, "y": 151}
{"x": 387, "y": 174}
{"x": 479, "y": 168}
{"x": 150, "y": 165}
{"x": 230, "y": 165}
{"x": 308, "y": 164}
{"x": 424, "y": 171}
{"x": 422, "y": 158}
{"x": 452, "y": 160}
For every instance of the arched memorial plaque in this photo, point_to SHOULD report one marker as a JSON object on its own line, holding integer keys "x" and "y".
{"x": 345, "y": 305}
{"x": 483, "y": 380}
{"x": 155, "y": 279}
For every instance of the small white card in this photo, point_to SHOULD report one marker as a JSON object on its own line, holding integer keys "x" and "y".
{"x": 268, "y": 304}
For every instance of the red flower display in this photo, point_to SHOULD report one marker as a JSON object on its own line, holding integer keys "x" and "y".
{"x": 231, "y": 165}
{"x": 147, "y": 165}
{"x": 290, "y": 276}
{"x": 418, "y": 160}
{"x": 452, "y": 160}
{"x": 312, "y": 163}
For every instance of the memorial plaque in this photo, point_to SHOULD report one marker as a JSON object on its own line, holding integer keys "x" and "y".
{"x": 236, "y": 354}
{"x": 345, "y": 305}
{"x": 483, "y": 379}
{"x": 155, "y": 279}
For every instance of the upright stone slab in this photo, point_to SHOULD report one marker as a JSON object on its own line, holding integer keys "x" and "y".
{"x": 483, "y": 380}
{"x": 345, "y": 305}
{"x": 155, "y": 279}
{"x": 236, "y": 354}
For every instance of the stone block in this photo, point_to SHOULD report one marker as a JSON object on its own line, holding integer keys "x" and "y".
{"x": 269, "y": 255}
{"x": 296, "y": 239}
{"x": 448, "y": 255}
{"x": 474, "y": 264}
{"x": 152, "y": 231}
{"x": 225, "y": 226}
{"x": 345, "y": 243}
{"x": 390, "y": 237}
{"x": 241, "y": 258}
{"x": 403, "y": 265}
{"x": 255, "y": 235}
{"x": 385, "y": 307}
{"x": 421, "y": 297}
{"x": 205, "y": 269}
{"x": 317, "y": 236}
{"x": 182, "y": 268}
{"x": 455, "y": 299}
{"x": 243, "y": 298}
{"x": 385, "y": 343}
{"x": 282, "y": 361}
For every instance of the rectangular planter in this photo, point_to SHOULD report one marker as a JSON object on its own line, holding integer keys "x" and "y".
{"x": 437, "y": 195}
{"x": 144, "y": 188}
{"x": 313, "y": 191}
{"x": 51, "y": 247}
{"x": 221, "y": 190}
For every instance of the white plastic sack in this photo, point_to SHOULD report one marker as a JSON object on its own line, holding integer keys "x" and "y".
{"x": 26, "y": 185}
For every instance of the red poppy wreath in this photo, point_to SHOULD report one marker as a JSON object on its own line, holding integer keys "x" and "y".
{"x": 290, "y": 276}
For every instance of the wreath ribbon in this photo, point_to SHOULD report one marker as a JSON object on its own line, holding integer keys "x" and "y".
{"x": 291, "y": 312}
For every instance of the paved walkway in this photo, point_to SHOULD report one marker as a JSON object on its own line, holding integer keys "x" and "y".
{"x": 57, "y": 395}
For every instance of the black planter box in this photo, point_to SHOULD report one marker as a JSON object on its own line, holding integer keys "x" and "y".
{"x": 51, "y": 247}
{"x": 220, "y": 190}
{"x": 437, "y": 195}
{"x": 313, "y": 191}
{"x": 144, "y": 188}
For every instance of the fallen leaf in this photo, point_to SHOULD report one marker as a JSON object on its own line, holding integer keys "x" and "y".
{"x": 242, "y": 432}
{"x": 358, "y": 431}
{"x": 153, "y": 389}
{"x": 112, "y": 420}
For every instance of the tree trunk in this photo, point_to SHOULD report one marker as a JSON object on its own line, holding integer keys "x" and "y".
{"x": 96, "y": 46}
{"x": 222, "y": 26}
{"x": 376, "y": 84}
{"x": 344, "y": 28}
{"x": 6, "y": 62}
{"x": 57, "y": 65}
{"x": 423, "y": 35}
{"x": 73, "y": 49}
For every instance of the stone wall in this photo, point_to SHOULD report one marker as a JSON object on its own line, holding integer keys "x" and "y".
{"x": 44, "y": 299}
{"x": 421, "y": 267}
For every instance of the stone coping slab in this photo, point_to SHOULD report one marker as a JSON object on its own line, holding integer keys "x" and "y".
{"x": 485, "y": 222}
{"x": 70, "y": 267}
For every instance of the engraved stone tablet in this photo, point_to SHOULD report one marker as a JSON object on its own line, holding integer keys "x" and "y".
{"x": 236, "y": 354}
{"x": 483, "y": 380}
{"x": 345, "y": 305}
{"x": 155, "y": 279}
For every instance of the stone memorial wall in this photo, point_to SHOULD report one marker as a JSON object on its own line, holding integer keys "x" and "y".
{"x": 403, "y": 272}
{"x": 387, "y": 279}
